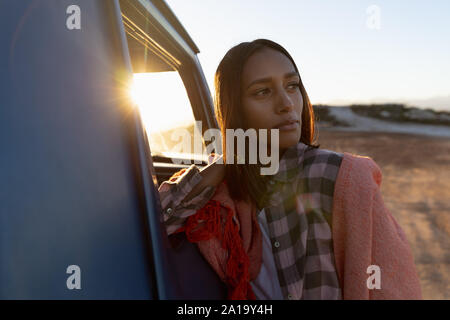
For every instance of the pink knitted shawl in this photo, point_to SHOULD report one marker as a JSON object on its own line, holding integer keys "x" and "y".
{"x": 365, "y": 233}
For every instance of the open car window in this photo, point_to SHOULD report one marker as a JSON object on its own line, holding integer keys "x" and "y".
{"x": 167, "y": 116}
{"x": 169, "y": 88}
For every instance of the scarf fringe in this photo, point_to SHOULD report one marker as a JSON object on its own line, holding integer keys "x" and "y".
{"x": 206, "y": 224}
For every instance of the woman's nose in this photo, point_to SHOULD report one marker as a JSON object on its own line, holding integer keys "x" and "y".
{"x": 284, "y": 102}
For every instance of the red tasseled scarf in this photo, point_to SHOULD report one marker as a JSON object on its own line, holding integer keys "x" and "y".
{"x": 237, "y": 273}
{"x": 229, "y": 239}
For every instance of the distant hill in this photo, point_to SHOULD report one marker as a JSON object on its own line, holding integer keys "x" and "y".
{"x": 398, "y": 113}
{"x": 383, "y": 118}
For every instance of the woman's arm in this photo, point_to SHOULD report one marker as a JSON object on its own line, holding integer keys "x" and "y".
{"x": 211, "y": 176}
{"x": 187, "y": 191}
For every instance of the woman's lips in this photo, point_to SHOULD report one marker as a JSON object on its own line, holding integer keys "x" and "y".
{"x": 287, "y": 127}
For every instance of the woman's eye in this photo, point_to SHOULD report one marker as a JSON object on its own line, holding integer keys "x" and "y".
{"x": 261, "y": 92}
{"x": 294, "y": 85}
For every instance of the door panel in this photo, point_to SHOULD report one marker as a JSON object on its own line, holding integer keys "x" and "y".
{"x": 69, "y": 191}
{"x": 72, "y": 180}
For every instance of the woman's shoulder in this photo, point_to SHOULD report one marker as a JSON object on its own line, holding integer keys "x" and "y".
{"x": 318, "y": 162}
{"x": 320, "y": 155}
{"x": 358, "y": 180}
{"x": 349, "y": 168}
{"x": 349, "y": 171}
{"x": 359, "y": 169}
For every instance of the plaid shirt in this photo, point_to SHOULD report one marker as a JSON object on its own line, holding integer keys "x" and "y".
{"x": 298, "y": 212}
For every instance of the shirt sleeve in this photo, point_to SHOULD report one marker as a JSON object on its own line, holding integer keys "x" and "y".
{"x": 373, "y": 256}
{"x": 173, "y": 192}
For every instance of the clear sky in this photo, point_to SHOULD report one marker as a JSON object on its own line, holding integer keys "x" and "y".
{"x": 342, "y": 55}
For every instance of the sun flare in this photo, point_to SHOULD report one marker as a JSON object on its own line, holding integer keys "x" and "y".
{"x": 162, "y": 100}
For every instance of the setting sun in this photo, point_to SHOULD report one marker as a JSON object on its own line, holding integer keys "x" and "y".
{"x": 162, "y": 100}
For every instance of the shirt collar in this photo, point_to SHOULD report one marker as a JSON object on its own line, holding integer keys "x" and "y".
{"x": 288, "y": 169}
{"x": 289, "y": 166}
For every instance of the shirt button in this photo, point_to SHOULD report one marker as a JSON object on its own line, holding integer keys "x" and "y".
{"x": 290, "y": 297}
{"x": 276, "y": 244}
{"x": 169, "y": 211}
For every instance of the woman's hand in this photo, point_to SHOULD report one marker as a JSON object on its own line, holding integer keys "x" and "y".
{"x": 212, "y": 175}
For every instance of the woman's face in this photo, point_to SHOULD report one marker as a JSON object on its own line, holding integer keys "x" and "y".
{"x": 271, "y": 97}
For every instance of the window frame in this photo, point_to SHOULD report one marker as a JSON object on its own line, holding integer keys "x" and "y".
{"x": 162, "y": 33}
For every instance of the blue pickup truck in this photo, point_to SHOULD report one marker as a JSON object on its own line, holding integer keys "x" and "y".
{"x": 80, "y": 216}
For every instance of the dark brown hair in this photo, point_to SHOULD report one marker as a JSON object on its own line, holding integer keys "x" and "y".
{"x": 244, "y": 180}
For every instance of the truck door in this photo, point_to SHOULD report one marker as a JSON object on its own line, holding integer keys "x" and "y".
{"x": 79, "y": 212}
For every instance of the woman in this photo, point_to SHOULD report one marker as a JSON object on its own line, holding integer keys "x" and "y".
{"x": 317, "y": 229}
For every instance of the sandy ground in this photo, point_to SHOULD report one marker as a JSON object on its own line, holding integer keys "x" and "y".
{"x": 416, "y": 189}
